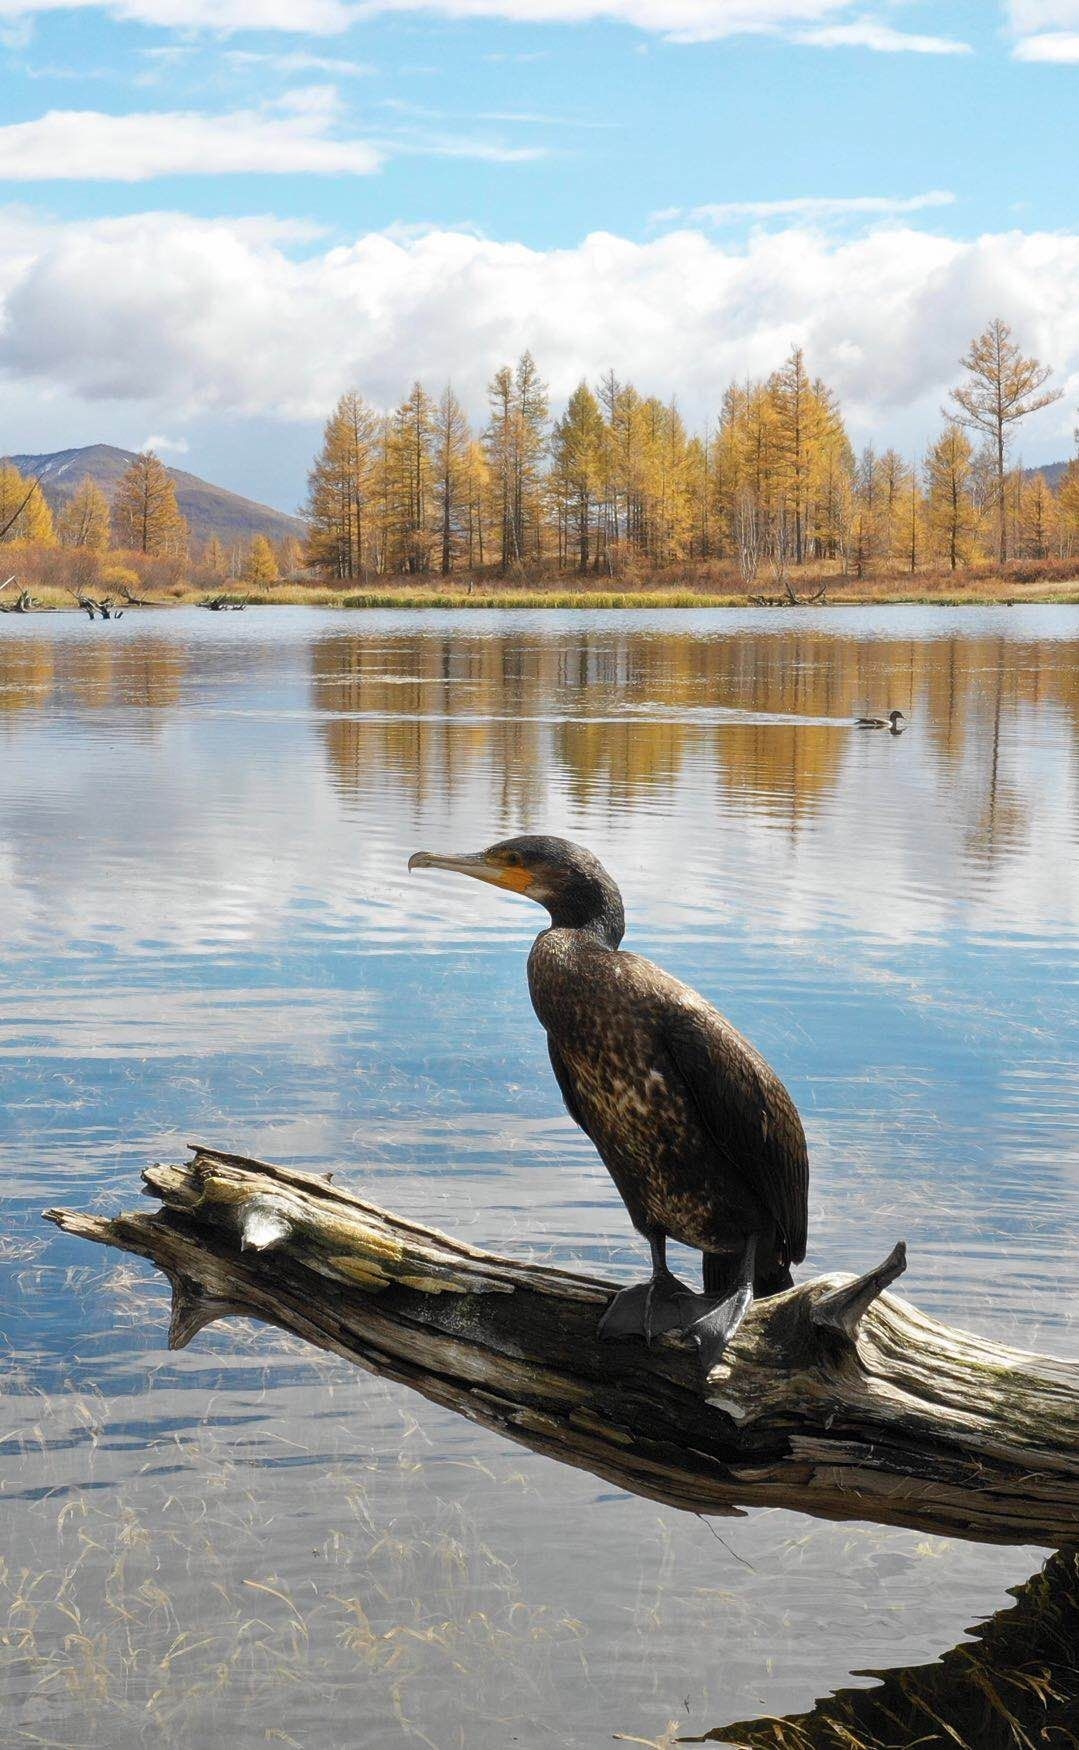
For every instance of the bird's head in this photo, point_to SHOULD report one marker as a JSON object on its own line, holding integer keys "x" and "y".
{"x": 569, "y": 881}
{"x": 896, "y": 717}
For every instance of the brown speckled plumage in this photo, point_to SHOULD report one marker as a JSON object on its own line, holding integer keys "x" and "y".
{"x": 700, "y": 1136}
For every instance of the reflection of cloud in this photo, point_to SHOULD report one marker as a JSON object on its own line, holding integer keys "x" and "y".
{"x": 126, "y": 1022}
{"x": 716, "y": 774}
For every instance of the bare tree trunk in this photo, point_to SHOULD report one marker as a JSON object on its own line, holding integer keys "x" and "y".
{"x": 834, "y": 1398}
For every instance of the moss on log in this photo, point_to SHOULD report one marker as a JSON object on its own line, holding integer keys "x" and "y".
{"x": 835, "y": 1398}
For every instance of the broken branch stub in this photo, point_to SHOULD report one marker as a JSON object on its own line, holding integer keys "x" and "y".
{"x": 835, "y": 1397}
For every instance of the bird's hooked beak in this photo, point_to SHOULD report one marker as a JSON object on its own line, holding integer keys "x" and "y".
{"x": 477, "y": 864}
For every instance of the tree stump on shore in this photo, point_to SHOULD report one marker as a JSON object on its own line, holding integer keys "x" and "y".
{"x": 835, "y": 1398}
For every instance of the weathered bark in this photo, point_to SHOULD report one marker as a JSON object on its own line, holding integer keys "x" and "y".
{"x": 834, "y": 1398}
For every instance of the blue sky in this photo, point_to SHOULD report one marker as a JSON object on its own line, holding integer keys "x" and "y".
{"x": 215, "y": 223}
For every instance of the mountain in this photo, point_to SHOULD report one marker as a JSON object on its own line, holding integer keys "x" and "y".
{"x": 1053, "y": 471}
{"x": 209, "y": 510}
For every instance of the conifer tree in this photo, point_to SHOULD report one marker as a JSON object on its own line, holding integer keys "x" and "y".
{"x": 515, "y": 440}
{"x": 85, "y": 520}
{"x": 213, "y": 558}
{"x": 477, "y": 495}
{"x": 1068, "y": 508}
{"x": 260, "y": 563}
{"x": 950, "y": 509}
{"x": 577, "y": 449}
{"x": 500, "y": 440}
{"x": 1038, "y": 517}
{"x": 870, "y": 512}
{"x": 145, "y": 515}
{"x": 24, "y": 510}
{"x": 411, "y": 482}
{"x": 1002, "y": 387}
{"x": 451, "y": 445}
{"x": 289, "y": 555}
{"x": 532, "y": 413}
{"x": 796, "y": 422}
{"x": 893, "y": 478}
{"x": 342, "y": 491}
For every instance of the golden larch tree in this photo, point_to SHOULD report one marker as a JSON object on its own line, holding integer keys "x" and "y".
{"x": 342, "y": 490}
{"x": 1068, "y": 507}
{"x": 85, "y": 520}
{"x": 214, "y": 560}
{"x": 1037, "y": 517}
{"x": 289, "y": 556}
{"x": 1001, "y": 388}
{"x": 951, "y": 513}
{"x": 260, "y": 562}
{"x": 577, "y": 449}
{"x": 451, "y": 443}
{"x": 145, "y": 515}
{"x": 24, "y": 510}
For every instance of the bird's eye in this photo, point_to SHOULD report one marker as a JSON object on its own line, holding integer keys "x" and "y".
{"x": 512, "y": 860}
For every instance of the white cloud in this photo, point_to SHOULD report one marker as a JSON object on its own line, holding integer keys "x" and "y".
{"x": 883, "y": 39}
{"x": 85, "y": 145}
{"x": 300, "y": 134}
{"x": 1028, "y": 16}
{"x": 299, "y": 61}
{"x": 814, "y": 209}
{"x": 680, "y": 20}
{"x": 179, "y": 446}
{"x": 184, "y": 316}
{"x": 318, "y": 17}
{"x": 1059, "y": 46}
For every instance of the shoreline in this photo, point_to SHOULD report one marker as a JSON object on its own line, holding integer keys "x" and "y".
{"x": 488, "y": 600}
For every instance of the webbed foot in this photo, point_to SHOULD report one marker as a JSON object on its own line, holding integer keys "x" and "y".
{"x": 714, "y": 1322}
{"x": 648, "y": 1309}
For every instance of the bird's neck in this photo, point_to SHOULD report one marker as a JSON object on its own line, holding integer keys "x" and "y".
{"x": 594, "y": 908}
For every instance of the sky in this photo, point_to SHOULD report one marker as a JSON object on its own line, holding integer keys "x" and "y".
{"x": 221, "y": 214}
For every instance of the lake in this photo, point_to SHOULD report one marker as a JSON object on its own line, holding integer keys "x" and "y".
{"x": 209, "y": 934}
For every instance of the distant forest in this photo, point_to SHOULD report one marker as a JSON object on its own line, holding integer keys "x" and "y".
{"x": 617, "y": 485}
{"x": 613, "y": 488}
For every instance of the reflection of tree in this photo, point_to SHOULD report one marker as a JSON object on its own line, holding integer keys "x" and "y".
{"x": 145, "y": 673}
{"x": 1016, "y": 1684}
{"x": 26, "y": 674}
{"x": 620, "y": 712}
{"x": 604, "y": 759}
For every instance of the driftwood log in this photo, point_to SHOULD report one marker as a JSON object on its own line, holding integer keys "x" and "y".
{"x": 23, "y": 603}
{"x": 835, "y": 1398}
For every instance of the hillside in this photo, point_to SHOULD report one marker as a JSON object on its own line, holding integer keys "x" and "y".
{"x": 209, "y": 510}
{"x": 1053, "y": 471}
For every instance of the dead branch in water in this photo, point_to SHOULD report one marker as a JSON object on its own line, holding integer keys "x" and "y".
{"x": 23, "y": 603}
{"x": 835, "y": 1398}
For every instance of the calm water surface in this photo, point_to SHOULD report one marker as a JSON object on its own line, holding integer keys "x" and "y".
{"x": 208, "y": 932}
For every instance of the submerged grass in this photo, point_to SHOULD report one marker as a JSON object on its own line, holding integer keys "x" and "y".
{"x": 170, "y": 1609}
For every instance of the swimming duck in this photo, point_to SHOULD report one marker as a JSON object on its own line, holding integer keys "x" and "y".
{"x": 892, "y": 722}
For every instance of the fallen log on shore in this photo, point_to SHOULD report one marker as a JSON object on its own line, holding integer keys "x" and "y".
{"x": 835, "y": 1398}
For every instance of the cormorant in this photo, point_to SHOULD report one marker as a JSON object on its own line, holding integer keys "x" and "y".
{"x": 892, "y": 722}
{"x": 699, "y": 1135}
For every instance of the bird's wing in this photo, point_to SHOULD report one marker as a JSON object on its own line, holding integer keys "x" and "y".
{"x": 746, "y": 1111}
{"x": 562, "y": 1077}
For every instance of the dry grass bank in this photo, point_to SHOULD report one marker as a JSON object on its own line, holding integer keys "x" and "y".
{"x": 708, "y": 585}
